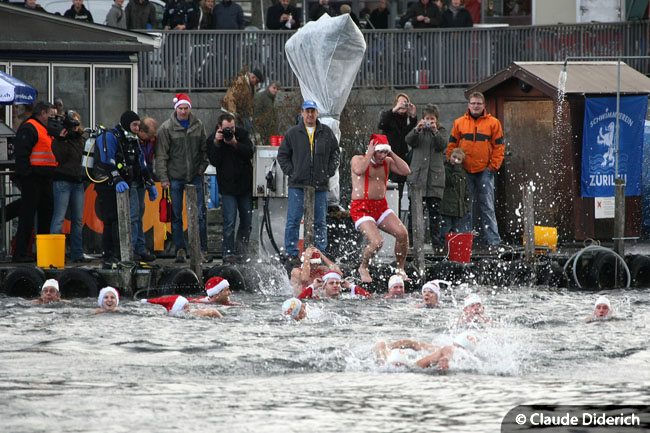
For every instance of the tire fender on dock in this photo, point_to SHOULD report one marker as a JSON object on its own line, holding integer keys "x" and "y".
{"x": 24, "y": 282}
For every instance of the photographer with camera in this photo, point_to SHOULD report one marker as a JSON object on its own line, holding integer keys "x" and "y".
{"x": 231, "y": 151}
{"x": 67, "y": 186}
{"x": 429, "y": 140}
{"x": 35, "y": 164}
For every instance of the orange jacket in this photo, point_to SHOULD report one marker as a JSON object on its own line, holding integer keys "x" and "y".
{"x": 42, "y": 154}
{"x": 482, "y": 141}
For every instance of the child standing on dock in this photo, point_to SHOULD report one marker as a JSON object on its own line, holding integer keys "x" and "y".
{"x": 455, "y": 200}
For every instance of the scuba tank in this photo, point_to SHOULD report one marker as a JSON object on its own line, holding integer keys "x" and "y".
{"x": 91, "y": 157}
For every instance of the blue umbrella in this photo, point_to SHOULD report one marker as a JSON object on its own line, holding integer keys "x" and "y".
{"x": 14, "y": 91}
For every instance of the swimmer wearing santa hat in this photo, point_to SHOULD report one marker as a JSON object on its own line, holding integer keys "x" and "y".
{"x": 314, "y": 264}
{"x": 179, "y": 306}
{"x": 369, "y": 209}
{"x": 217, "y": 290}
{"x": 108, "y": 300}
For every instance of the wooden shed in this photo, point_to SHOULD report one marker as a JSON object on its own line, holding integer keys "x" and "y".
{"x": 543, "y": 134}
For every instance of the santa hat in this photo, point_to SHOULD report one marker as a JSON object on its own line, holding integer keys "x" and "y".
{"x": 331, "y": 275}
{"x": 471, "y": 299}
{"x": 174, "y": 303}
{"x": 381, "y": 142}
{"x": 51, "y": 283}
{"x": 315, "y": 258}
{"x": 180, "y": 99}
{"x": 102, "y": 294}
{"x": 394, "y": 280}
{"x": 431, "y": 286}
{"x": 216, "y": 285}
{"x": 291, "y": 307}
{"x": 604, "y": 301}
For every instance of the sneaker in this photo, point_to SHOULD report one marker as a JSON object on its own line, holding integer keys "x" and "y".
{"x": 144, "y": 256}
{"x": 181, "y": 256}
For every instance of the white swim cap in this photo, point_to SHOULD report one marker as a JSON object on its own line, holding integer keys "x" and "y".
{"x": 291, "y": 307}
{"x": 398, "y": 357}
{"x": 466, "y": 340}
{"x": 471, "y": 299}
{"x": 394, "y": 280}
{"x": 51, "y": 283}
{"x": 604, "y": 301}
{"x": 102, "y": 294}
{"x": 431, "y": 286}
{"x": 331, "y": 275}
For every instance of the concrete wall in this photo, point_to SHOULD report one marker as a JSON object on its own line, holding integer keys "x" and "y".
{"x": 554, "y": 12}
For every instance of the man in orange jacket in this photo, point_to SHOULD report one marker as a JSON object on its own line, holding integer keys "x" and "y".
{"x": 481, "y": 137}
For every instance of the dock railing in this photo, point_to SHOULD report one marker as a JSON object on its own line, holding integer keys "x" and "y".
{"x": 194, "y": 60}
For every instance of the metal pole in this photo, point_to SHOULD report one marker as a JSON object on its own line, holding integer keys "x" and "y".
{"x": 191, "y": 200}
{"x": 308, "y": 215}
{"x": 619, "y": 182}
{"x": 124, "y": 225}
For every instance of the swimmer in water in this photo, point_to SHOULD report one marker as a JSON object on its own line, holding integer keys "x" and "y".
{"x": 440, "y": 358}
{"x": 395, "y": 287}
{"x": 108, "y": 300}
{"x": 330, "y": 287}
{"x": 178, "y": 306}
{"x": 218, "y": 292}
{"x": 49, "y": 293}
{"x": 473, "y": 311}
{"x": 602, "y": 310}
{"x": 295, "y": 309}
{"x": 431, "y": 294}
{"x": 314, "y": 265}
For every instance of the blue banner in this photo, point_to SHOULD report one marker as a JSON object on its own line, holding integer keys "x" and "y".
{"x": 599, "y": 145}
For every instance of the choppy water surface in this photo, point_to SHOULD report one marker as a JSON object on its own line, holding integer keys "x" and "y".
{"x": 63, "y": 369}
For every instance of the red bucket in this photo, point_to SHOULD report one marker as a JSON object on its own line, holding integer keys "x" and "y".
{"x": 276, "y": 140}
{"x": 459, "y": 246}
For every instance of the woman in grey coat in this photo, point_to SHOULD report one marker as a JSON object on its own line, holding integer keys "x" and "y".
{"x": 427, "y": 143}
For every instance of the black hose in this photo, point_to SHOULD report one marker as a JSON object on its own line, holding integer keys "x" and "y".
{"x": 269, "y": 229}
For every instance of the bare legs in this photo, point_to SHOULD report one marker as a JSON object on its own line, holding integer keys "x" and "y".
{"x": 393, "y": 226}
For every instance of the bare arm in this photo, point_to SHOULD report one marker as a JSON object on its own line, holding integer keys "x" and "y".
{"x": 440, "y": 358}
{"x": 398, "y": 165}
{"x": 411, "y": 344}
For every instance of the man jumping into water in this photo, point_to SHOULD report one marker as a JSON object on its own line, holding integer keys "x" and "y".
{"x": 369, "y": 209}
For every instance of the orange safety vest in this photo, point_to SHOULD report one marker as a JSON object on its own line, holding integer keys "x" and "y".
{"x": 42, "y": 154}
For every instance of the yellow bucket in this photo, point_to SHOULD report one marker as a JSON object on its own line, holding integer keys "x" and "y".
{"x": 546, "y": 237}
{"x": 50, "y": 251}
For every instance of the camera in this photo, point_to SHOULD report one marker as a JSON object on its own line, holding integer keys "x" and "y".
{"x": 427, "y": 124}
{"x": 69, "y": 122}
{"x": 228, "y": 134}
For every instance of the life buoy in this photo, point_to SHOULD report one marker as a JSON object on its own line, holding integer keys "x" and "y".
{"x": 233, "y": 275}
{"x": 24, "y": 282}
{"x": 78, "y": 283}
{"x": 640, "y": 271}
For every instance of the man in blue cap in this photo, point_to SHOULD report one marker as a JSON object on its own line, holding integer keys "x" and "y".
{"x": 309, "y": 156}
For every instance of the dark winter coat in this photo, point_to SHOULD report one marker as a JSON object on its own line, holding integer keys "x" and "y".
{"x": 68, "y": 152}
{"x": 303, "y": 168}
{"x": 427, "y": 160}
{"x": 396, "y": 127}
{"x": 227, "y": 16}
{"x": 455, "y": 201}
{"x": 139, "y": 15}
{"x": 274, "y": 13}
{"x": 234, "y": 164}
{"x": 430, "y": 10}
{"x": 461, "y": 19}
{"x": 82, "y": 15}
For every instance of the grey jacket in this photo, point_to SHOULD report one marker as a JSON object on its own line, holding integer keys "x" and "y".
{"x": 427, "y": 161}
{"x": 116, "y": 17}
{"x": 181, "y": 153}
{"x": 303, "y": 168}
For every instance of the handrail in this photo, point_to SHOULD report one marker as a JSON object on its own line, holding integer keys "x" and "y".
{"x": 208, "y": 59}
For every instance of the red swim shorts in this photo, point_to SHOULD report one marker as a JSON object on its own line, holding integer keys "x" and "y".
{"x": 363, "y": 210}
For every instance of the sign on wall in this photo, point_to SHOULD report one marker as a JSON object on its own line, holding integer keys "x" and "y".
{"x": 599, "y": 145}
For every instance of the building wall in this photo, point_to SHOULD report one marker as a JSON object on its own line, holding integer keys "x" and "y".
{"x": 547, "y": 12}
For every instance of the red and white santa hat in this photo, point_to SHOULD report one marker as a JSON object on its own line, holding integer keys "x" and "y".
{"x": 315, "y": 258}
{"x": 180, "y": 99}
{"x": 216, "y": 285}
{"x": 102, "y": 295}
{"x": 381, "y": 142}
{"x": 331, "y": 275}
{"x": 173, "y": 303}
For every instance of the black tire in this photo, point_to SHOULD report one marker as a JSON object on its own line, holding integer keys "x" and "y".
{"x": 24, "y": 282}
{"x": 78, "y": 283}
{"x": 179, "y": 281}
{"x": 640, "y": 271}
{"x": 551, "y": 274}
{"x": 233, "y": 275}
{"x": 606, "y": 272}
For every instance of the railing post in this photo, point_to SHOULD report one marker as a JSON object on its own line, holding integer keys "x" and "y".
{"x": 529, "y": 222}
{"x": 124, "y": 225}
{"x": 309, "y": 197}
{"x": 194, "y": 238}
{"x": 417, "y": 221}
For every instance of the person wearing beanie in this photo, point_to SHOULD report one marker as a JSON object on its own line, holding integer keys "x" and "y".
{"x": 295, "y": 309}
{"x": 217, "y": 290}
{"x": 181, "y": 158}
{"x": 314, "y": 264}
{"x": 395, "y": 287}
{"x": 123, "y": 162}
{"x": 602, "y": 310}
{"x": 107, "y": 301}
{"x": 369, "y": 209}
{"x": 49, "y": 293}
{"x": 179, "y": 306}
{"x": 473, "y": 311}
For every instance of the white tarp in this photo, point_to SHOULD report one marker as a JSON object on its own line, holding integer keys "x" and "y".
{"x": 326, "y": 56}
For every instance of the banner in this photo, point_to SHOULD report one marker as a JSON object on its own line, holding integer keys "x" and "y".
{"x": 599, "y": 145}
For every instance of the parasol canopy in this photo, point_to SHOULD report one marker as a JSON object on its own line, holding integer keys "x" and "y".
{"x": 14, "y": 91}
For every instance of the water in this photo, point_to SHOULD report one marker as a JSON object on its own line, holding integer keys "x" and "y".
{"x": 63, "y": 369}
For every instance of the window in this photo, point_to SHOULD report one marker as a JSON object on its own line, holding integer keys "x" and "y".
{"x": 38, "y": 77}
{"x": 72, "y": 85}
{"x": 112, "y": 94}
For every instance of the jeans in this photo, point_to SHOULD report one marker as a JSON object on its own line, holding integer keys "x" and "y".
{"x": 455, "y": 224}
{"x": 481, "y": 190}
{"x": 176, "y": 191}
{"x": 136, "y": 198}
{"x": 69, "y": 195}
{"x": 231, "y": 204}
{"x": 295, "y": 210}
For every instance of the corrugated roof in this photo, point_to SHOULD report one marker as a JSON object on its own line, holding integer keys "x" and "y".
{"x": 582, "y": 77}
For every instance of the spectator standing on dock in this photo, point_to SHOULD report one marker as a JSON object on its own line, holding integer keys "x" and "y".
{"x": 282, "y": 16}
{"x": 180, "y": 15}
{"x": 319, "y": 9}
{"x": 396, "y": 123}
{"x": 239, "y": 97}
{"x": 68, "y": 187}
{"x": 422, "y": 15}
{"x": 380, "y": 16}
{"x": 78, "y": 12}
{"x": 230, "y": 150}
{"x": 481, "y": 137}
{"x": 206, "y": 19}
{"x": 35, "y": 164}
{"x": 455, "y": 201}
{"x": 116, "y": 16}
{"x": 428, "y": 141}
{"x": 140, "y": 14}
{"x": 456, "y": 15}
{"x": 265, "y": 115}
{"x": 228, "y": 15}
{"x": 181, "y": 158}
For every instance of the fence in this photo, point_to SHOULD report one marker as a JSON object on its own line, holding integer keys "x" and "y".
{"x": 190, "y": 60}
